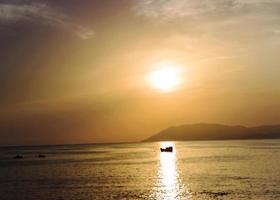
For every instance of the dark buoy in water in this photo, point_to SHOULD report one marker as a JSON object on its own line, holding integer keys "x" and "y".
{"x": 18, "y": 157}
{"x": 41, "y": 156}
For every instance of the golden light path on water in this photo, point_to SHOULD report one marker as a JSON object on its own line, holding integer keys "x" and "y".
{"x": 169, "y": 184}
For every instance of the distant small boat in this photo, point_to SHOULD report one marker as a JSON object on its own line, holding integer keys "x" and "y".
{"x": 18, "y": 157}
{"x": 41, "y": 156}
{"x": 167, "y": 149}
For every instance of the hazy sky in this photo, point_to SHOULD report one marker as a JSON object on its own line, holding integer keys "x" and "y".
{"x": 76, "y": 71}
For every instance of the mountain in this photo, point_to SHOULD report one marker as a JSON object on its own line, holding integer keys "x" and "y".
{"x": 204, "y": 131}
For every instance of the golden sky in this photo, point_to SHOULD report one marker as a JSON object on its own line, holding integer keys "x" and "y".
{"x": 75, "y": 72}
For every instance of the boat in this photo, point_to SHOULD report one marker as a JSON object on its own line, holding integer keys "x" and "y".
{"x": 18, "y": 157}
{"x": 167, "y": 149}
{"x": 41, "y": 156}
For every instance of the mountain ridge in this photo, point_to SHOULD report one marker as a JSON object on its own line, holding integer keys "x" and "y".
{"x": 213, "y": 131}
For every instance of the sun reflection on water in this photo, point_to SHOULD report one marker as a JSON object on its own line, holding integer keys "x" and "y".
{"x": 169, "y": 185}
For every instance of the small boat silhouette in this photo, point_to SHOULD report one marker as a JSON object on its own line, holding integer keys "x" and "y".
{"x": 18, "y": 157}
{"x": 41, "y": 156}
{"x": 167, "y": 149}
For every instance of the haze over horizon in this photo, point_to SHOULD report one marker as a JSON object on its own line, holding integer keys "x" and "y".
{"x": 111, "y": 71}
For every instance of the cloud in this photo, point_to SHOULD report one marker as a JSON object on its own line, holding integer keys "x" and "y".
{"x": 233, "y": 20}
{"x": 170, "y": 9}
{"x": 235, "y": 30}
{"x": 39, "y": 12}
{"x": 84, "y": 32}
{"x": 174, "y": 9}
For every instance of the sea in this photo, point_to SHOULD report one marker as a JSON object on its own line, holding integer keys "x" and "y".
{"x": 195, "y": 170}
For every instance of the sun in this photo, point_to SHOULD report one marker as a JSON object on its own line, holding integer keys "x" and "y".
{"x": 166, "y": 77}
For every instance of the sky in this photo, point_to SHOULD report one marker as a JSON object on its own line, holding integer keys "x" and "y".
{"x": 78, "y": 71}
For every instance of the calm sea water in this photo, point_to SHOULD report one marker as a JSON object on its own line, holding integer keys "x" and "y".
{"x": 196, "y": 170}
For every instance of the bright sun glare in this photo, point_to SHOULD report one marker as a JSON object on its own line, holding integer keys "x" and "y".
{"x": 166, "y": 77}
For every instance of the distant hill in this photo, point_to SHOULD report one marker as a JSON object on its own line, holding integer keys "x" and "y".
{"x": 204, "y": 131}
